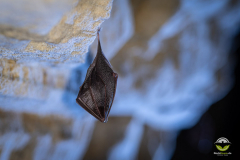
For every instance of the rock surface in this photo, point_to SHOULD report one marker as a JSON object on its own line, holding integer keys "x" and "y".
{"x": 54, "y": 31}
{"x": 30, "y": 136}
{"x": 39, "y": 118}
{"x": 173, "y": 62}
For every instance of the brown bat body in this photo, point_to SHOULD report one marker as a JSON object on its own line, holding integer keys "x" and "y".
{"x": 98, "y": 90}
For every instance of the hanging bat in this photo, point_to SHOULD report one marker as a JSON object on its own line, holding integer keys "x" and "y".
{"x": 98, "y": 90}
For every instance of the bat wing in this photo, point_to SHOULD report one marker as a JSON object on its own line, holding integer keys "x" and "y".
{"x": 98, "y": 90}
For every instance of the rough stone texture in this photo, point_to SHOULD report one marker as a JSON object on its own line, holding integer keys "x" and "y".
{"x": 171, "y": 70}
{"x": 31, "y": 80}
{"x": 30, "y": 136}
{"x": 54, "y": 31}
{"x": 117, "y": 30}
{"x": 36, "y": 38}
{"x": 173, "y": 63}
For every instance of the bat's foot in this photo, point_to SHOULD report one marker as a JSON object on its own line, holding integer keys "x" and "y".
{"x": 98, "y": 31}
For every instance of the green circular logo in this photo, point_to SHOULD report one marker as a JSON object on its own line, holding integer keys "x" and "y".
{"x": 222, "y": 144}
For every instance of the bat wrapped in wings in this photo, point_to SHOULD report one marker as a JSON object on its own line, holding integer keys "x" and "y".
{"x": 98, "y": 90}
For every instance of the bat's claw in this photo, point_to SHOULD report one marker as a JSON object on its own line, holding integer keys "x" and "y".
{"x": 98, "y": 31}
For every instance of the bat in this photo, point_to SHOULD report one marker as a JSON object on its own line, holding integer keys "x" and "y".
{"x": 98, "y": 90}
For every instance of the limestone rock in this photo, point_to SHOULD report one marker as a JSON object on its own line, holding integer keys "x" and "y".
{"x": 173, "y": 63}
{"x": 31, "y": 136}
{"x": 53, "y": 31}
{"x": 117, "y": 30}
